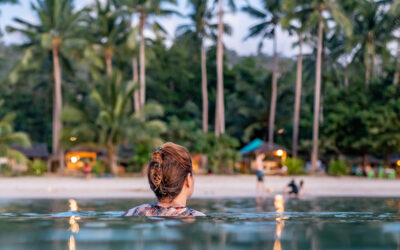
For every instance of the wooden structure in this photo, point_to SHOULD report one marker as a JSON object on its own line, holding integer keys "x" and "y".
{"x": 274, "y": 155}
{"x": 75, "y": 161}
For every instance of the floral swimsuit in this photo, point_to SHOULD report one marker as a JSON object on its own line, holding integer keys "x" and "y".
{"x": 156, "y": 210}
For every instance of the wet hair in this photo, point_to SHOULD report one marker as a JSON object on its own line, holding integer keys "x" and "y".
{"x": 168, "y": 168}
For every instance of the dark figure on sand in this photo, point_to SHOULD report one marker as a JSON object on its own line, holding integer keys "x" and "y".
{"x": 294, "y": 189}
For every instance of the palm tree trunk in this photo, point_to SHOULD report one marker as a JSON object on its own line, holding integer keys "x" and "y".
{"x": 314, "y": 155}
{"x": 142, "y": 60}
{"x": 272, "y": 109}
{"x": 204, "y": 88}
{"x": 57, "y": 106}
{"x": 136, "y": 97}
{"x": 298, "y": 97}
{"x": 346, "y": 73}
{"x": 367, "y": 76}
{"x": 397, "y": 72}
{"x": 112, "y": 158}
{"x": 367, "y": 66}
{"x": 108, "y": 64}
{"x": 220, "y": 110}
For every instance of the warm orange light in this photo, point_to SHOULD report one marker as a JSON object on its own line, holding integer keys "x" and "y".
{"x": 74, "y": 159}
{"x": 279, "y": 152}
{"x": 280, "y": 131}
{"x": 398, "y": 163}
{"x": 72, "y": 138}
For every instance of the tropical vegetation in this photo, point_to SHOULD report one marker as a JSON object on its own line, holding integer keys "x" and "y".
{"x": 95, "y": 74}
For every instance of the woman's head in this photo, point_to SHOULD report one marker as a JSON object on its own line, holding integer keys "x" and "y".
{"x": 170, "y": 171}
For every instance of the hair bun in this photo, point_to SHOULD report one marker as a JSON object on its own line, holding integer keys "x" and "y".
{"x": 156, "y": 158}
{"x": 155, "y": 169}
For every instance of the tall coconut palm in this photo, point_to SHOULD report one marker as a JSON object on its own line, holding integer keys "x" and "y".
{"x": 107, "y": 31}
{"x": 396, "y": 76}
{"x": 200, "y": 28}
{"x": 219, "y": 104}
{"x": 394, "y": 13}
{"x": 267, "y": 28}
{"x": 146, "y": 9}
{"x": 295, "y": 20}
{"x": 333, "y": 9}
{"x": 56, "y": 32}
{"x": 374, "y": 30}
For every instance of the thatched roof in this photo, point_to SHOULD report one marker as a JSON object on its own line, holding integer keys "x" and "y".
{"x": 38, "y": 150}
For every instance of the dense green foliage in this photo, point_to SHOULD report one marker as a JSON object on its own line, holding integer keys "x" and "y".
{"x": 360, "y": 105}
{"x": 8, "y": 138}
{"x": 294, "y": 166}
{"x": 338, "y": 167}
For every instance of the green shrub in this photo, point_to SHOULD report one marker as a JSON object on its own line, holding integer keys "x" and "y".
{"x": 37, "y": 167}
{"x": 295, "y": 166}
{"x": 98, "y": 168}
{"x": 222, "y": 153}
{"x": 338, "y": 167}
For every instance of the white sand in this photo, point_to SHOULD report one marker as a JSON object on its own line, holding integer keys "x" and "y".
{"x": 206, "y": 187}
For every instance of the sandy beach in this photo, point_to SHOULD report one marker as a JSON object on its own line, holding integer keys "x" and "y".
{"x": 206, "y": 187}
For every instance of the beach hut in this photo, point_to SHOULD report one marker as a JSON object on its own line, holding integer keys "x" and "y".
{"x": 274, "y": 155}
{"x": 37, "y": 151}
{"x": 76, "y": 158}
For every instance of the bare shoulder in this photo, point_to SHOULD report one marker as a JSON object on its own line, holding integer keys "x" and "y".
{"x": 136, "y": 210}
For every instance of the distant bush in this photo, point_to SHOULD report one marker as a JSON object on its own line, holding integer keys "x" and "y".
{"x": 222, "y": 152}
{"x": 295, "y": 166}
{"x": 338, "y": 167}
{"x": 98, "y": 168}
{"x": 37, "y": 167}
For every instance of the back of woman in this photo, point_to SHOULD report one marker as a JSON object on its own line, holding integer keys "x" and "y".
{"x": 170, "y": 175}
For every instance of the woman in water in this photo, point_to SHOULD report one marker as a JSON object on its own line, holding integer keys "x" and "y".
{"x": 170, "y": 176}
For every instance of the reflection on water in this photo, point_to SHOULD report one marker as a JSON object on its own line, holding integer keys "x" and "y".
{"x": 264, "y": 223}
{"x": 73, "y": 224}
{"x": 279, "y": 204}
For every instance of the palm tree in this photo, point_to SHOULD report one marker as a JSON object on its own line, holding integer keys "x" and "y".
{"x": 319, "y": 7}
{"x": 107, "y": 31}
{"x": 57, "y": 29}
{"x": 267, "y": 28}
{"x": 219, "y": 104}
{"x": 295, "y": 20}
{"x": 200, "y": 28}
{"x": 8, "y": 138}
{"x": 394, "y": 13}
{"x": 146, "y": 9}
{"x": 396, "y": 76}
{"x": 114, "y": 124}
{"x": 374, "y": 30}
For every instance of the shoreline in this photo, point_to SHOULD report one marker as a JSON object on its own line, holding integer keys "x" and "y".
{"x": 206, "y": 186}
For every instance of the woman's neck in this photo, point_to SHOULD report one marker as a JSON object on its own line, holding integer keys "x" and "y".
{"x": 179, "y": 201}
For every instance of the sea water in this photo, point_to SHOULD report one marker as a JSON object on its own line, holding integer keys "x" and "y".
{"x": 274, "y": 222}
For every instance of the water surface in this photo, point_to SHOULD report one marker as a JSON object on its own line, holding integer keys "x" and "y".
{"x": 272, "y": 223}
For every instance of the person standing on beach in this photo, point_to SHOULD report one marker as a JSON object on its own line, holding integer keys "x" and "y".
{"x": 87, "y": 169}
{"x": 260, "y": 174}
